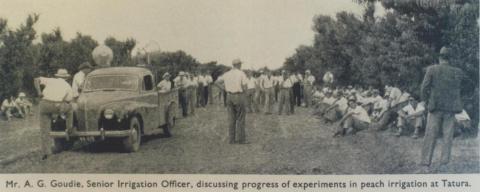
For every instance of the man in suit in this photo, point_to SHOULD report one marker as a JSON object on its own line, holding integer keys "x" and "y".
{"x": 441, "y": 90}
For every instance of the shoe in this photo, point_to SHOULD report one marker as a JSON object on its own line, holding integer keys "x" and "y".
{"x": 44, "y": 157}
{"x": 244, "y": 143}
{"x": 415, "y": 136}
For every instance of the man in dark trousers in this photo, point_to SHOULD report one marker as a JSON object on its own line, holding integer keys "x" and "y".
{"x": 234, "y": 82}
{"x": 441, "y": 91}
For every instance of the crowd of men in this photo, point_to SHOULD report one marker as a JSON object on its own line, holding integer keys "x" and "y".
{"x": 351, "y": 108}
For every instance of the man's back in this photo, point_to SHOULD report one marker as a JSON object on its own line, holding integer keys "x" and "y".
{"x": 441, "y": 88}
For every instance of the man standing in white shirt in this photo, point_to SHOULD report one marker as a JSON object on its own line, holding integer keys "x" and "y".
{"x": 251, "y": 102}
{"x": 182, "y": 83}
{"x": 286, "y": 94}
{"x": 234, "y": 82}
{"x": 267, "y": 85}
{"x": 56, "y": 98}
{"x": 165, "y": 85}
{"x": 307, "y": 87}
{"x": 208, "y": 88}
{"x": 79, "y": 79}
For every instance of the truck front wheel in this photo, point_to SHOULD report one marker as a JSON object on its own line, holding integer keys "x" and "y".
{"x": 132, "y": 142}
{"x": 61, "y": 144}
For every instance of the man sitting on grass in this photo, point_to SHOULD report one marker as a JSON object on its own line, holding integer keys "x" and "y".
{"x": 356, "y": 119}
{"x": 9, "y": 107}
{"x": 24, "y": 105}
{"x": 337, "y": 109}
{"x": 411, "y": 116}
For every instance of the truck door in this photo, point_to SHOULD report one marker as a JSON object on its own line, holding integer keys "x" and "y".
{"x": 150, "y": 98}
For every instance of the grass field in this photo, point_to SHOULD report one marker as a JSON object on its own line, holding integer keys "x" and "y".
{"x": 297, "y": 144}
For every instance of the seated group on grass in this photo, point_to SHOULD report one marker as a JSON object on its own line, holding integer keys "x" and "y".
{"x": 16, "y": 107}
{"x": 355, "y": 109}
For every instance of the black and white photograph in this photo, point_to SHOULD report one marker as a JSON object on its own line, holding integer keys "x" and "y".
{"x": 239, "y": 87}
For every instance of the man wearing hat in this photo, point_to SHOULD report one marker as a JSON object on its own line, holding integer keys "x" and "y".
{"x": 307, "y": 87}
{"x": 234, "y": 82}
{"x": 441, "y": 91}
{"x": 56, "y": 98}
{"x": 79, "y": 78}
{"x": 182, "y": 83}
{"x": 165, "y": 85}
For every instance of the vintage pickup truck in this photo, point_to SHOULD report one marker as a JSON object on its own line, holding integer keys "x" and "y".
{"x": 123, "y": 103}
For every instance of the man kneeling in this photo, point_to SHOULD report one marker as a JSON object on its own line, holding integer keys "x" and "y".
{"x": 354, "y": 120}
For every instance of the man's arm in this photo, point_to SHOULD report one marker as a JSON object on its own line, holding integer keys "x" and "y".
{"x": 426, "y": 85}
{"x": 36, "y": 84}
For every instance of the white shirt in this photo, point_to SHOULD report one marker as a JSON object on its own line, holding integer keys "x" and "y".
{"x": 7, "y": 104}
{"x": 462, "y": 116}
{"x": 409, "y": 110}
{"x": 267, "y": 82}
{"x": 208, "y": 79}
{"x": 233, "y": 80}
{"x": 164, "y": 85}
{"x": 251, "y": 83}
{"x": 381, "y": 104}
{"x": 185, "y": 82}
{"x": 56, "y": 89}
{"x": 360, "y": 114}
{"x": 22, "y": 102}
{"x": 77, "y": 83}
{"x": 328, "y": 100}
{"x": 395, "y": 95}
{"x": 309, "y": 80}
{"x": 293, "y": 78}
{"x": 328, "y": 77}
{"x": 287, "y": 83}
{"x": 342, "y": 104}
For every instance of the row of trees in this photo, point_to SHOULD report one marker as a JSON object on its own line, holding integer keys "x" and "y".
{"x": 21, "y": 59}
{"x": 396, "y": 48}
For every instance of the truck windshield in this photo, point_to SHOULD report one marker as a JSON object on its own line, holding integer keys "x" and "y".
{"x": 111, "y": 82}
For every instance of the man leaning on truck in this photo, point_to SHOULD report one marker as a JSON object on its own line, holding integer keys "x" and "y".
{"x": 56, "y": 98}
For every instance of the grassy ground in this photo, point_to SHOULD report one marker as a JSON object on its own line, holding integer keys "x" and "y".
{"x": 297, "y": 144}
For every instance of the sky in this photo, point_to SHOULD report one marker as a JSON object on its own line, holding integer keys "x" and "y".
{"x": 262, "y": 33}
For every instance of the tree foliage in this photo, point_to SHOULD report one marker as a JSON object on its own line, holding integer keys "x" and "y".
{"x": 394, "y": 49}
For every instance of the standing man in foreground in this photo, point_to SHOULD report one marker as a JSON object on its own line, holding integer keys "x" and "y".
{"x": 56, "y": 98}
{"x": 441, "y": 90}
{"x": 234, "y": 82}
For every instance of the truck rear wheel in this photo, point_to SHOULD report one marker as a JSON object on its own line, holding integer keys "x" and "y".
{"x": 170, "y": 117}
{"x": 132, "y": 142}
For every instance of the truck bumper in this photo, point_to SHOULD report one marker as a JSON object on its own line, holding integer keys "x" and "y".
{"x": 103, "y": 134}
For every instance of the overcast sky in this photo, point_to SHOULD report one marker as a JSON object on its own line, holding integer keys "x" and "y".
{"x": 260, "y": 32}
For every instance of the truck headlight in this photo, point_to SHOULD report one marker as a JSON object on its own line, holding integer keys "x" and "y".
{"x": 108, "y": 113}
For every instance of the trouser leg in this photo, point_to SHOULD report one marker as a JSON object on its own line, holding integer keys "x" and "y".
{"x": 45, "y": 112}
{"x": 205, "y": 95}
{"x": 231, "y": 121}
{"x": 291, "y": 101}
{"x": 241, "y": 119}
{"x": 448, "y": 130}
{"x": 433, "y": 122}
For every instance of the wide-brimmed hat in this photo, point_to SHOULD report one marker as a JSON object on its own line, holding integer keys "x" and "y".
{"x": 22, "y": 94}
{"x": 308, "y": 71}
{"x": 166, "y": 74}
{"x": 63, "y": 73}
{"x": 84, "y": 65}
{"x": 236, "y": 62}
{"x": 181, "y": 73}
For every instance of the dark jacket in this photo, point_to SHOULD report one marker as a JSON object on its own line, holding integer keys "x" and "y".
{"x": 441, "y": 88}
